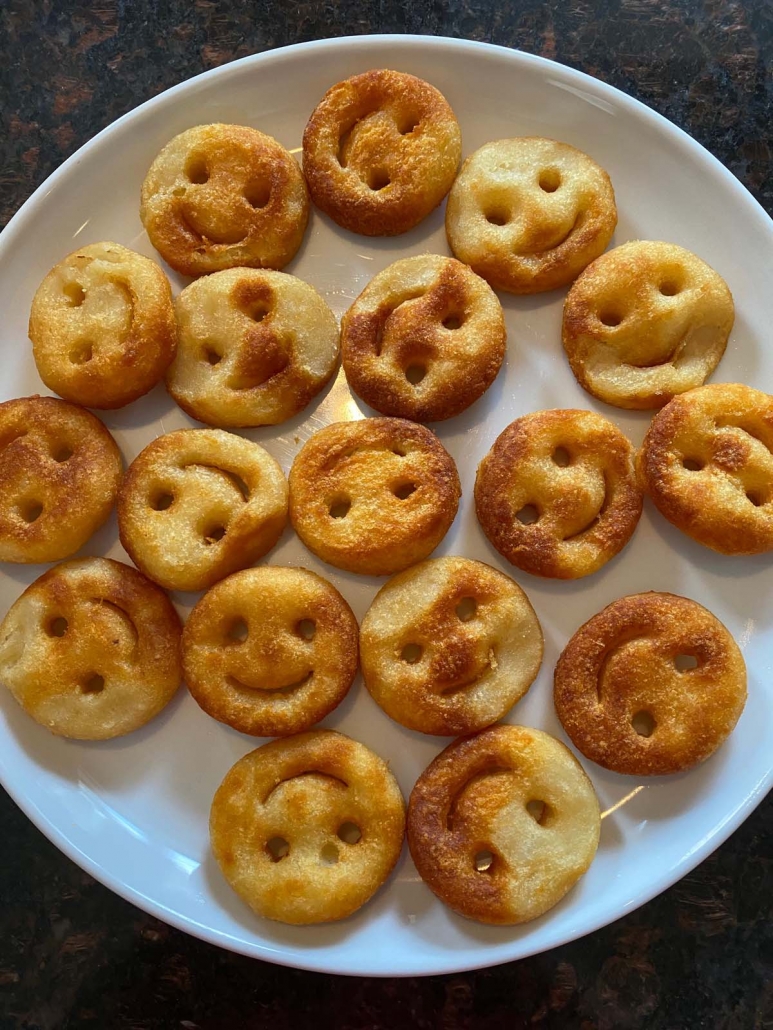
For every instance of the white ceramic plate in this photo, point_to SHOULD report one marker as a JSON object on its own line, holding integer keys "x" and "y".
{"x": 133, "y": 812}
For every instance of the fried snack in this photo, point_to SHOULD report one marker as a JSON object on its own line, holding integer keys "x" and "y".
{"x": 528, "y": 214}
{"x": 59, "y": 475}
{"x": 102, "y": 326}
{"x": 197, "y": 504}
{"x": 307, "y": 829}
{"x": 557, "y": 494}
{"x": 707, "y": 463}
{"x": 651, "y": 685}
{"x": 91, "y": 650}
{"x": 424, "y": 339}
{"x": 222, "y": 196}
{"x": 373, "y": 496}
{"x": 645, "y": 322}
{"x": 270, "y": 651}
{"x": 254, "y": 347}
{"x": 449, "y": 646}
{"x": 380, "y": 152}
{"x": 502, "y": 824}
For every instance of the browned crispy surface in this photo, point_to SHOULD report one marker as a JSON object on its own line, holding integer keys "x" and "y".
{"x": 219, "y": 196}
{"x": 528, "y": 214}
{"x": 476, "y": 843}
{"x": 644, "y": 322}
{"x": 102, "y": 326}
{"x": 628, "y": 697}
{"x": 380, "y": 152}
{"x": 707, "y": 463}
{"x": 307, "y": 829}
{"x": 449, "y": 646}
{"x": 373, "y": 496}
{"x": 570, "y": 475}
{"x": 197, "y": 504}
{"x": 255, "y": 346}
{"x": 59, "y": 475}
{"x": 91, "y": 650}
{"x": 270, "y": 651}
{"x": 424, "y": 340}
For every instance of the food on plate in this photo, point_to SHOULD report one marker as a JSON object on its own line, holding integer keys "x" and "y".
{"x": 645, "y": 322}
{"x": 707, "y": 463}
{"x": 380, "y": 151}
{"x": 60, "y": 470}
{"x": 557, "y": 494}
{"x": 502, "y": 824}
{"x": 373, "y": 496}
{"x": 254, "y": 347}
{"x": 91, "y": 650}
{"x": 221, "y": 196}
{"x": 528, "y": 214}
{"x": 306, "y": 829}
{"x": 653, "y": 684}
{"x": 270, "y": 651}
{"x": 198, "y": 504}
{"x": 102, "y": 326}
{"x": 449, "y": 646}
{"x": 424, "y": 339}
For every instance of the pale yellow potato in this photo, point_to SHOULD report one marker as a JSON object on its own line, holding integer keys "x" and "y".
{"x": 254, "y": 347}
{"x": 198, "y": 504}
{"x": 449, "y": 646}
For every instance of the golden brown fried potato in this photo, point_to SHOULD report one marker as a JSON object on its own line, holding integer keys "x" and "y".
{"x": 198, "y": 504}
{"x": 653, "y": 684}
{"x": 307, "y": 829}
{"x": 91, "y": 650}
{"x": 220, "y": 196}
{"x": 707, "y": 463}
{"x": 373, "y": 496}
{"x": 645, "y": 322}
{"x": 254, "y": 347}
{"x": 449, "y": 646}
{"x": 502, "y": 824}
{"x": 424, "y": 340}
{"x": 102, "y": 326}
{"x": 59, "y": 475}
{"x": 380, "y": 152}
{"x": 528, "y": 214}
{"x": 557, "y": 494}
{"x": 270, "y": 651}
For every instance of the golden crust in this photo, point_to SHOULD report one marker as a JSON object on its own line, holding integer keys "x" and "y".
{"x": 373, "y": 496}
{"x": 60, "y": 470}
{"x": 198, "y": 504}
{"x": 424, "y": 340}
{"x": 102, "y": 326}
{"x": 220, "y": 196}
{"x": 528, "y": 214}
{"x": 449, "y": 646}
{"x": 557, "y": 494}
{"x": 270, "y": 651}
{"x": 91, "y": 650}
{"x": 644, "y": 322}
{"x": 284, "y": 826}
{"x": 380, "y": 151}
{"x": 707, "y": 463}
{"x": 502, "y": 824}
{"x": 628, "y": 696}
{"x": 254, "y": 347}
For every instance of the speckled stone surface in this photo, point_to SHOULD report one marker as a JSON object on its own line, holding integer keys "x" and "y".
{"x": 74, "y": 955}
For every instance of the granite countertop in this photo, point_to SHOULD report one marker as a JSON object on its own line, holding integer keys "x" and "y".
{"x": 74, "y": 955}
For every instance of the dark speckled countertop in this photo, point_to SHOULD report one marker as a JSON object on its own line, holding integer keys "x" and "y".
{"x": 74, "y": 955}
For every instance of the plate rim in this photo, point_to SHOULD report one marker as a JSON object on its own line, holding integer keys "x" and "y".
{"x": 314, "y": 959}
